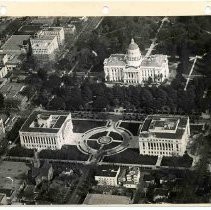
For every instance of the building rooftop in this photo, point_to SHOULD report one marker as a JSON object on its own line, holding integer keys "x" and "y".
{"x": 12, "y": 90}
{"x": 120, "y": 60}
{"x": 52, "y": 29}
{"x": 2, "y": 195}
{"x": 161, "y": 126}
{"x": 15, "y": 43}
{"x": 102, "y": 199}
{"x": 44, "y": 122}
{"x": 154, "y": 61}
{"x": 129, "y": 175}
{"x": 116, "y": 60}
{"x": 41, "y": 41}
{"x": 107, "y": 171}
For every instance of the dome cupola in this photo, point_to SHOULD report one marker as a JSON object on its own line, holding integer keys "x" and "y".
{"x": 133, "y": 57}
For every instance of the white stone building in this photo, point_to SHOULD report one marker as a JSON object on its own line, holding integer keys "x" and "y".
{"x": 133, "y": 68}
{"x": 164, "y": 135}
{"x": 44, "y": 47}
{"x": 107, "y": 175}
{"x": 53, "y": 31}
{"x": 129, "y": 177}
{"x": 3, "y": 67}
{"x": 46, "y": 130}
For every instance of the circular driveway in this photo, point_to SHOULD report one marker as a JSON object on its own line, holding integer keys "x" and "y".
{"x": 107, "y": 140}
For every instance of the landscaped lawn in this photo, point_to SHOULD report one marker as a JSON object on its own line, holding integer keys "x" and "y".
{"x": 111, "y": 145}
{"x": 184, "y": 161}
{"x": 98, "y": 135}
{"x": 131, "y": 156}
{"x": 115, "y": 136}
{"x": 70, "y": 152}
{"x": 81, "y": 126}
{"x": 133, "y": 127}
{"x": 93, "y": 144}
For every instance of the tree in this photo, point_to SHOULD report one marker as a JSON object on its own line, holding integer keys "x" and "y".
{"x": 57, "y": 103}
{"x": 2, "y": 105}
{"x": 100, "y": 103}
{"x": 42, "y": 74}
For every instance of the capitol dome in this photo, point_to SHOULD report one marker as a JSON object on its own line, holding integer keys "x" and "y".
{"x": 133, "y": 45}
{"x": 134, "y": 57}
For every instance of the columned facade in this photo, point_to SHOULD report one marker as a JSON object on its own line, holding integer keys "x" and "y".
{"x": 49, "y": 131}
{"x": 164, "y": 136}
{"x": 132, "y": 68}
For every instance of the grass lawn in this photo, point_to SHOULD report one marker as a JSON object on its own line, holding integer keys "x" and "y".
{"x": 111, "y": 145}
{"x": 131, "y": 156}
{"x": 98, "y": 135}
{"x": 81, "y": 126}
{"x": 184, "y": 161}
{"x": 70, "y": 152}
{"x": 115, "y": 136}
{"x": 131, "y": 126}
{"x": 93, "y": 144}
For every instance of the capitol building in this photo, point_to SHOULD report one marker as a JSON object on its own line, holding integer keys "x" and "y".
{"x": 134, "y": 68}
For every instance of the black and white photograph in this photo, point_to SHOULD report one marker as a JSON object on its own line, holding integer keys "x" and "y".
{"x": 105, "y": 110}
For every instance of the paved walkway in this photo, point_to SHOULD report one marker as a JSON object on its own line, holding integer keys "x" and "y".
{"x": 97, "y": 154}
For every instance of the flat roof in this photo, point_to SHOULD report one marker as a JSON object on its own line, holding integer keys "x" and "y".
{"x": 12, "y": 90}
{"x": 102, "y": 199}
{"x": 156, "y": 60}
{"x": 15, "y": 42}
{"x": 2, "y": 195}
{"x": 61, "y": 119}
{"x": 115, "y": 60}
{"x": 52, "y": 28}
{"x": 107, "y": 171}
{"x": 177, "y": 134}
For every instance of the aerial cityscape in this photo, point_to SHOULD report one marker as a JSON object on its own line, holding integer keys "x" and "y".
{"x": 105, "y": 110}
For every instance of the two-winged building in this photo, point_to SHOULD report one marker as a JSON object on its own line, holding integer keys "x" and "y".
{"x": 134, "y": 68}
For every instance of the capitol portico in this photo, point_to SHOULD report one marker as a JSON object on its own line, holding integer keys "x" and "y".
{"x": 134, "y": 68}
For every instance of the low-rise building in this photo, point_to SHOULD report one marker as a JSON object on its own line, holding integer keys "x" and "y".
{"x": 12, "y": 94}
{"x": 39, "y": 174}
{"x": 103, "y": 199}
{"x": 129, "y": 177}
{"x": 43, "y": 47}
{"x": 164, "y": 135}
{"x": 3, "y": 199}
{"x": 3, "y": 67}
{"x": 53, "y": 31}
{"x": 107, "y": 175}
{"x": 46, "y": 130}
{"x": 70, "y": 29}
{"x": 16, "y": 45}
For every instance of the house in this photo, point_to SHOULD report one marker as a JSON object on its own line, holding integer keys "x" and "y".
{"x": 160, "y": 195}
{"x": 129, "y": 177}
{"x": 107, "y": 175}
{"x": 29, "y": 194}
{"x": 3, "y": 199}
{"x": 16, "y": 45}
{"x": 13, "y": 97}
{"x": 39, "y": 174}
